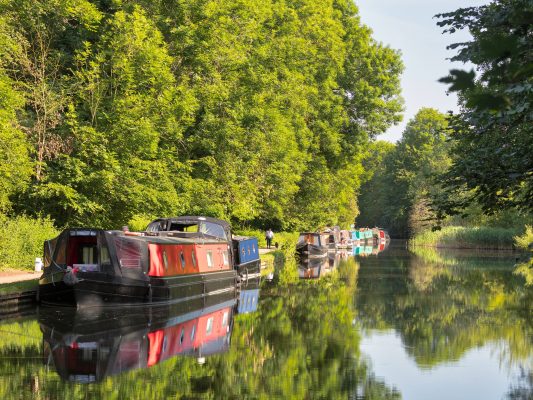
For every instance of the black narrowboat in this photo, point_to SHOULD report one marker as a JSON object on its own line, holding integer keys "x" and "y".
{"x": 312, "y": 245}
{"x": 84, "y": 267}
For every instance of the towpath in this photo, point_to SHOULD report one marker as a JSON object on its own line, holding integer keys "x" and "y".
{"x": 18, "y": 276}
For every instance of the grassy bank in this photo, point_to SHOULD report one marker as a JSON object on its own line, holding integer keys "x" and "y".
{"x": 19, "y": 287}
{"x": 467, "y": 238}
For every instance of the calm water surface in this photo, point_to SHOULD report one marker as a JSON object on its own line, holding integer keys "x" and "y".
{"x": 396, "y": 325}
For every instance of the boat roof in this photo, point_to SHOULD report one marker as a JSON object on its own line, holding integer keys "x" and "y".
{"x": 194, "y": 219}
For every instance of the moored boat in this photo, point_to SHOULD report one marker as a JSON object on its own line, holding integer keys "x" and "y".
{"x": 312, "y": 245}
{"x": 85, "y": 267}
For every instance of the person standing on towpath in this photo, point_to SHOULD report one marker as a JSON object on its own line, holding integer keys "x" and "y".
{"x": 269, "y": 235}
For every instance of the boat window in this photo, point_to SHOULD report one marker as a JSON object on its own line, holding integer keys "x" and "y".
{"x": 60, "y": 256}
{"x": 182, "y": 336}
{"x": 226, "y": 257}
{"x": 181, "y": 227}
{"x": 209, "y": 255}
{"x": 193, "y": 332}
{"x": 209, "y": 327}
{"x": 212, "y": 229}
{"x": 225, "y": 319}
{"x": 165, "y": 259}
{"x": 157, "y": 226}
{"x": 87, "y": 254}
{"x": 193, "y": 254}
{"x": 182, "y": 258}
{"x": 49, "y": 247}
{"x": 104, "y": 255}
{"x": 129, "y": 252}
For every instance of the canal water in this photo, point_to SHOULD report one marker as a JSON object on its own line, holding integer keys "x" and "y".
{"x": 392, "y": 325}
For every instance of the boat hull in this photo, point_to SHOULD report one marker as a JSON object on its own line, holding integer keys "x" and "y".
{"x": 93, "y": 289}
{"x": 309, "y": 250}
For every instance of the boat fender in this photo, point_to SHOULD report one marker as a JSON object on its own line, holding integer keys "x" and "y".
{"x": 70, "y": 277}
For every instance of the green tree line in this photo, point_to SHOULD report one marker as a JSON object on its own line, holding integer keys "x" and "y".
{"x": 256, "y": 112}
{"x": 473, "y": 167}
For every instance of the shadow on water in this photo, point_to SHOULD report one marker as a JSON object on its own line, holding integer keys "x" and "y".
{"x": 289, "y": 337}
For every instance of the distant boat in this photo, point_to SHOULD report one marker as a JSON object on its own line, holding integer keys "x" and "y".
{"x": 86, "y": 267}
{"x": 312, "y": 245}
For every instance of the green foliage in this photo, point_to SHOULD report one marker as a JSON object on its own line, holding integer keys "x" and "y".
{"x": 255, "y": 113}
{"x": 22, "y": 240}
{"x": 466, "y": 238}
{"x": 400, "y": 188}
{"x": 526, "y": 240}
{"x": 492, "y": 159}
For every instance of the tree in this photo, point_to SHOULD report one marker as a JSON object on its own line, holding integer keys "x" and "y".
{"x": 15, "y": 164}
{"x": 493, "y": 132}
{"x": 403, "y": 183}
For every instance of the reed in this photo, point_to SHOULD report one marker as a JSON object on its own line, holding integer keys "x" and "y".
{"x": 467, "y": 238}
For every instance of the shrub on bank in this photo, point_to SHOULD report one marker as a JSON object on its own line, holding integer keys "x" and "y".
{"x": 22, "y": 240}
{"x": 467, "y": 238}
{"x": 525, "y": 242}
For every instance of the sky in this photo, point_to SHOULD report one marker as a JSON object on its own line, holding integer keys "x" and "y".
{"x": 409, "y": 26}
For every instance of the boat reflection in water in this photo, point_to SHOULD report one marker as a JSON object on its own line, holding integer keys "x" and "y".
{"x": 374, "y": 249}
{"x": 85, "y": 348}
{"x": 249, "y": 296}
{"x": 314, "y": 268}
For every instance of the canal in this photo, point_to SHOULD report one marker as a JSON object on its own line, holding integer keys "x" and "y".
{"x": 393, "y": 325}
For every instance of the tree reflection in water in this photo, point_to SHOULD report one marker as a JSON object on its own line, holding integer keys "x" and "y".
{"x": 303, "y": 341}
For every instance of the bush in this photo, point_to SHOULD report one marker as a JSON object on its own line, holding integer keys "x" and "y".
{"x": 22, "y": 241}
{"x": 525, "y": 240}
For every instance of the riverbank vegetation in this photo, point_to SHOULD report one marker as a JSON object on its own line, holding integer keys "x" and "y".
{"x": 259, "y": 114}
{"x": 471, "y": 173}
{"x": 22, "y": 240}
{"x": 467, "y": 238}
{"x": 525, "y": 242}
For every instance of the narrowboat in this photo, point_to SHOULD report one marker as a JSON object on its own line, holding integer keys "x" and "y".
{"x": 334, "y": 237}
{"x": 83, "y": 348}
{"x": 312, "y": 245}
{"x": 243, "y": 251}
{"x": 84, "y": 267}
{"x": 345, "y": 240}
